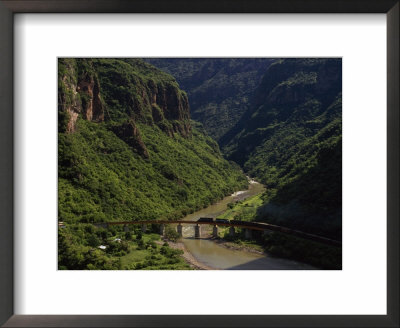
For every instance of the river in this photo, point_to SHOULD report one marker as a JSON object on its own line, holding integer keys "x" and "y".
{"x": 219, "y": 257}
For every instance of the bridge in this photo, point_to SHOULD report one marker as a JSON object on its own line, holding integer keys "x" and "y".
{"x": 266, "y": 228}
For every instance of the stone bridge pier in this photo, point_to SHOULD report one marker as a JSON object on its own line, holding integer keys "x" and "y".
{"x": 197, "y": 231}
{"x": 144, "y": 228}
{"x": 162, "y": 229}
{"x": 179, "y": 230}
{"x": 215, "y": 231}
{"x": 232, "y": 231}
{"x": 266, "y": 233}
{"x": 126, "y": 228}
{"x": 247, "y": 233}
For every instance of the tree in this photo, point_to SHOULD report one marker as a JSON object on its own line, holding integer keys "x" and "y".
{"x": 171, "y": 234}
{"x": 93, "y": 240}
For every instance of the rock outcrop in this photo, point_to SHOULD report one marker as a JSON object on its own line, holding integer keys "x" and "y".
{"x": 169, "y": 104}
{"x": 69, "y": 102}
{"x": 92, "y": 105}
{"x": 79, "y": 94}
{"x": 133, "y": 92}
{"x": 130, "y": 133}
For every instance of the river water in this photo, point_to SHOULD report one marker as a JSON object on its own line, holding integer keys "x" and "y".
{"x": 219, "y": 257}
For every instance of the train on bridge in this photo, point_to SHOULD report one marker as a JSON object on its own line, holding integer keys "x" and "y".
{"x": 238, "y": 223}
{"x": 246, "y": 225}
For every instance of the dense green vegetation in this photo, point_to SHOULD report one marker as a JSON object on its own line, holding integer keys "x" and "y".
{"x": 101, "y": 179}
{"x": 79, "y": 249}
{"x": 243, "y": 210}
{"x": 110, "y": 172}
{"x": 220, "y": 90}
{"x": 128, "y": 150}
{"x": 291, "y": 141}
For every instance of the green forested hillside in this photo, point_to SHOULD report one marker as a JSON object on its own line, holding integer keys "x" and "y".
{"x": 291, "y": 141}
{"x": 127, "y": 150}
{"x": 144, "y": 159}
{"x": 220, "y": 90}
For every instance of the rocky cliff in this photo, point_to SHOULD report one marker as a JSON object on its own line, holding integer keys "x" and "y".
{"x": 121, "y": 93}
{"x": 220, "y": 89}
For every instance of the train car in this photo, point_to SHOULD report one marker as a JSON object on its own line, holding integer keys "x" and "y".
{"x": 238, "y": 222}
{"x": 221, "y": 221}
{"x": 205, "y": 220}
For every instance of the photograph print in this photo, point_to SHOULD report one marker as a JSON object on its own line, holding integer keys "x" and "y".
{"x": 199, "y": 164}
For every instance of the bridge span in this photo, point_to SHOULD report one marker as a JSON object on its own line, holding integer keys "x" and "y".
{"x": 266, "y": 228}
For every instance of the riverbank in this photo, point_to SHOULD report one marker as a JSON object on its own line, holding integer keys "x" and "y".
{"x": 255, "y": 249}
{"x": 187, "y": 256}
{"x": 197, "y": 265}
{"x": 225, "y": 255}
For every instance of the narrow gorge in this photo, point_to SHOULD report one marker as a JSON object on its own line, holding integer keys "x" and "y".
{"x": 136, "y": 143}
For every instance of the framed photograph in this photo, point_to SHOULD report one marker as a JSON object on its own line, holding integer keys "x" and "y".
{"x": 199, "y": 164}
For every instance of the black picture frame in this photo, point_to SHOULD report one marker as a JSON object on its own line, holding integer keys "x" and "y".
{"x": 10, "y": 7}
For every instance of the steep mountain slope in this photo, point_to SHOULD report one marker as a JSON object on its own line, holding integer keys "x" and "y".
{"x": 127, "y": 147}
{"x": 219, "y": 89}
{"x": 291, "y": 141}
